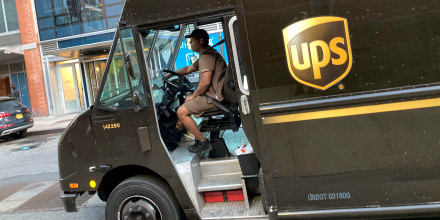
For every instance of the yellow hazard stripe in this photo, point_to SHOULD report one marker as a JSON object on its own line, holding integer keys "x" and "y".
{"x": 352, "y": 111}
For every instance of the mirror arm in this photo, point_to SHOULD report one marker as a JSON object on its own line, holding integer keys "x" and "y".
{"x": 137, "y": 101}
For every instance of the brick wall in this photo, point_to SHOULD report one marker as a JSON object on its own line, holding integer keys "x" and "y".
{"x": 32, "y": 58}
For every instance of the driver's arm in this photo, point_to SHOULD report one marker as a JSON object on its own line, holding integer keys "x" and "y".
{"x": 205, "y": 82}
{"x": 186, "y": 70}
{"x": 183, "y": 71}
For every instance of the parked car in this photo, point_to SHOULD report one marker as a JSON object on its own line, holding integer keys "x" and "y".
{"x": 15, "y": 118}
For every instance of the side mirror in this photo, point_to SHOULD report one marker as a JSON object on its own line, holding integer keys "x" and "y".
{"x": 137, "y": 101}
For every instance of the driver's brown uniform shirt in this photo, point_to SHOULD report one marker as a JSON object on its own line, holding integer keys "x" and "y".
{"x": 210, "y": 60}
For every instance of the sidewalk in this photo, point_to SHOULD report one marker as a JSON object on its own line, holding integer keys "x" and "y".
{"x": 50, "y": 124}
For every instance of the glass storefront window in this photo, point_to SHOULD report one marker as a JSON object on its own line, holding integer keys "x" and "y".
{"x": 80, "y": 85}
{"x": 92, "y": 79}
{"x": 95, "y": 71}
{"x": 11, "y": 15}
{"x": 70, "y": 88}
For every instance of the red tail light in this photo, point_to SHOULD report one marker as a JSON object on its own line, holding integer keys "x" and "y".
{"x": 27, "y": 110}
{"x": 4, "y": 114}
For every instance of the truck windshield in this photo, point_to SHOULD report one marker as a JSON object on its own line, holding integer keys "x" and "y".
{"x": 159, "y": 56}
{"x": 162, "y": 51}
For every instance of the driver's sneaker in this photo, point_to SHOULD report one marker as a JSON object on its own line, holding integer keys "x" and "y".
{"x": 199, "y": 146}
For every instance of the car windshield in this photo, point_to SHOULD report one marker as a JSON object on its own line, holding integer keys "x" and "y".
{"x": 9, "y": 104}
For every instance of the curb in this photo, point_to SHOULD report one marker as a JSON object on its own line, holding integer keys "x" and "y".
{"x": 43, "y": 132}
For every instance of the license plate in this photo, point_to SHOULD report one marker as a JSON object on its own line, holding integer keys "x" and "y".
{"x": 19, "y": 116}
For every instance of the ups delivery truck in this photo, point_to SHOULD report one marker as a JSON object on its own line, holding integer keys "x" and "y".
{"x": 339, "y": 100}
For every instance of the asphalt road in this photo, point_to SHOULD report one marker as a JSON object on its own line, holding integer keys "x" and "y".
{"x": 29, "y": 186}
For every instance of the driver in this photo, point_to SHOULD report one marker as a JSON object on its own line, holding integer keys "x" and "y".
{"x": 211, "y": 66}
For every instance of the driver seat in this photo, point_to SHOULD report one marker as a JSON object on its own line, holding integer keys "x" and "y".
{"x": 227, "y": 117}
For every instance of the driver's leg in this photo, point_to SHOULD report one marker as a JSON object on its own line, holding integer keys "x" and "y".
{"x": 179, "y": 125}
{"x": 188, "y": 122}
{"x": 184, "y": 114}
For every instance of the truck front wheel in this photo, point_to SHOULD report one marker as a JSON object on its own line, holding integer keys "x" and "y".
{"x": 142, "y": 197}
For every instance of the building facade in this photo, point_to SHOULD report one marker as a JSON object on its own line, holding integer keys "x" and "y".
{"x": 55, "y": 51}
{"x": 12, "y": 66}
{"x": 75, "y": 37}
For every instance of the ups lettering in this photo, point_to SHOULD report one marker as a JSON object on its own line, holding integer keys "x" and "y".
{"x": 310, "y": 55}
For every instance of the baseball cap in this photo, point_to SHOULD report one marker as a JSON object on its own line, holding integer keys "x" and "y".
{"x": 200, "y": 34}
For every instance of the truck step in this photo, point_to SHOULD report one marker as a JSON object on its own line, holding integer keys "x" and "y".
{"x": 219, "y": 166}
{"x": 234, "y": 210}
{"x": 220, "y": 182}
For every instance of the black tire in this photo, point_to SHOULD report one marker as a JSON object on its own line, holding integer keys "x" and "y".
{"x": 139, "y": 195}
{"x": 18, "y": 134}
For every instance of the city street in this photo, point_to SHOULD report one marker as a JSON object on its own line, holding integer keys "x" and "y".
{"x": 29, "y": 181}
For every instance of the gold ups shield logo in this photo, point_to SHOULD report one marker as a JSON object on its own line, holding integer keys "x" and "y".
{"x": 318, "y": 51}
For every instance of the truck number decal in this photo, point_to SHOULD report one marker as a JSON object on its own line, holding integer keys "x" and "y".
{"x": 328, "y": 196}
{"x": 111, "y": 126}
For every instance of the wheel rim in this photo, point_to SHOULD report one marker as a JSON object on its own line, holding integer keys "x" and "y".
{"x": 138, "y": 208}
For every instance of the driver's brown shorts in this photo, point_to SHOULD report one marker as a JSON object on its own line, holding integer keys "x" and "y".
{"x": 199, "y": 105}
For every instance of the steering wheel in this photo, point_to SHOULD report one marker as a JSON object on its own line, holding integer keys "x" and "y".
{"x": 182, "y": 83}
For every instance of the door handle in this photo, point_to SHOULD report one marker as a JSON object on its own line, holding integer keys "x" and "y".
{"x": 104, "y": 118}
{"x": 244, "y": 105}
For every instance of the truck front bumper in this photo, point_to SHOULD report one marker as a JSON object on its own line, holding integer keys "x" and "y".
{"x": 69, "y": 201}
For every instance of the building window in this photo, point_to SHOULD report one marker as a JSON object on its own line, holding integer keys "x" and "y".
{"x": 60, "y": 18}
{"x": 44, "y": 8}
{"x": 11, "y": 15}
{"x": 8, "y": 16}
{"x": 2, "y": 19}
{"x": 45, "y": 23}
{"x": 47, "y": 34}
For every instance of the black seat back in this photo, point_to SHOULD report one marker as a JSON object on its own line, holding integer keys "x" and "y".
{"x": 229, "y": 87}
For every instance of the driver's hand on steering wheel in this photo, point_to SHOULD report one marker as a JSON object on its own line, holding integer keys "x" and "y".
{"x": 168, "y": 75}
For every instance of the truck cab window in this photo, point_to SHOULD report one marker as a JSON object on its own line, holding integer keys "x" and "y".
{"x": 116, "y": 93}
